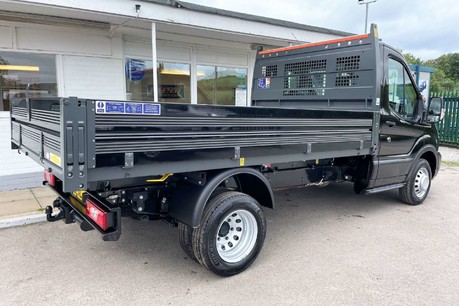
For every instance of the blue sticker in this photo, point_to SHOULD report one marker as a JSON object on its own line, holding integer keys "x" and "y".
{"x": 128, "y": 108}
{"x": 152, "y": 109}
{"x": 114, "y": 107}
{"x": 264, "y": 83}
{"x": 133, "y": 108}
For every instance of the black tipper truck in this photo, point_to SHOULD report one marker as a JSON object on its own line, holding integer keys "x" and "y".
{"x": 333, "y": 111}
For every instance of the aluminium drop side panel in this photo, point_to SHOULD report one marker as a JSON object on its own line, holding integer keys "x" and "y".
{"x": 186, "y": 138}
{"x": 35, "y": 130}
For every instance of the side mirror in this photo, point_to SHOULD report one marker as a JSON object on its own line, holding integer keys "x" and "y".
{"x": 435, "y": 111}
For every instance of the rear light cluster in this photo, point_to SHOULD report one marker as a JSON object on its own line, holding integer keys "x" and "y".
{"x": 97, "y": 215}
{"x": 50, "y": 178}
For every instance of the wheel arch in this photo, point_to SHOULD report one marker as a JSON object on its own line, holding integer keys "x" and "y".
{"x": 187, "y": 200}
{"x": 431, "y": 155}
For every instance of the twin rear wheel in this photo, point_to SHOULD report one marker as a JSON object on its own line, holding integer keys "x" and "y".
{"x": 230, "y": 236}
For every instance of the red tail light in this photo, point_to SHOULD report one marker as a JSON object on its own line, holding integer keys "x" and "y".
{"x": 50, "y": 178}
{"x": 97, "y": 214}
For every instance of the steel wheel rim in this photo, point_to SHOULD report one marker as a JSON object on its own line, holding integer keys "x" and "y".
{"x": 421, "y": 182}
{"x": 236, "y": 236}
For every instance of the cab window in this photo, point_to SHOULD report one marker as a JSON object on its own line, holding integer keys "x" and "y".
{"x": 402, "y": 95}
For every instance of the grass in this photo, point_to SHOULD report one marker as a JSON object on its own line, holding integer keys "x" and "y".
{"x": 450, "y": 163}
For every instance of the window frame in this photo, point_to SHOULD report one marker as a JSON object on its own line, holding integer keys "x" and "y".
{"x": 417, "y": 112}
{"x": 225, "y": 66}
{"x": 57, "y": 66}
{"x": 169, "y": 61}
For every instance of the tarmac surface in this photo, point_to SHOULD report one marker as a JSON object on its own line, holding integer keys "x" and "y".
{"x": 324, "y": 246}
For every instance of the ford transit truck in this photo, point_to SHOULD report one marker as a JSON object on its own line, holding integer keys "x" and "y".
{"x": 343, "y": 110}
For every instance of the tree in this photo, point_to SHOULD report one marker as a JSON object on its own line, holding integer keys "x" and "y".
{"x": 411, "y": 59}
{"x": 446, "y": 75}
{"x": 439, "y": 82}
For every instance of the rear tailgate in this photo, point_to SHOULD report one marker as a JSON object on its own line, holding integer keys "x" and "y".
{"x": 55, "y": 139}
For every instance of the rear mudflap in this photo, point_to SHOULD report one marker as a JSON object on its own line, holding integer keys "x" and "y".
{"x": 71, "y": 210}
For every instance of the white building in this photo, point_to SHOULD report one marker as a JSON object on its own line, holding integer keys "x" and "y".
{"x": 107, "y": 49}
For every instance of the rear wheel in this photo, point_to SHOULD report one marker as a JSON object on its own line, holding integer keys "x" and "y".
{"x": 186, "y": 231}
{"x": 231, "y": 233}
{"x": 417, "y": 185}
{"x": 185, "y": 239}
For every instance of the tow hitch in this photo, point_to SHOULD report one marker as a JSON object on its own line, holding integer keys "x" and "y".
{"x": 93, "y": 215}
{"x": 57, "y": 203}
{"x": 67, "y": 213}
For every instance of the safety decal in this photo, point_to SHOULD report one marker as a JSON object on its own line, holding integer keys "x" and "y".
{"x": 264, "y": 83}
{"x": 129, "y": 108}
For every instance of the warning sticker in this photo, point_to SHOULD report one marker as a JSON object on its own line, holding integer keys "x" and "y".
{"x": 129, "y": 108}
{"x": 152, "y": 109}
{"x": 264, "y": 83}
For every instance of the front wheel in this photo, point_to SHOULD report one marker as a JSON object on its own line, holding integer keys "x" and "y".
{"x": 231, "y": 233}
{"x": 418, "y": 184}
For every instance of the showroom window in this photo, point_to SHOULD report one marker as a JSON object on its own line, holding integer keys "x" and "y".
{"x": 26, "y": 75}
{"x": 173, "y": 81}
{"x": 222, "y": 85}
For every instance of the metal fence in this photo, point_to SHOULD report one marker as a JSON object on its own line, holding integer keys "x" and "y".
{"x": 448, "y": 127}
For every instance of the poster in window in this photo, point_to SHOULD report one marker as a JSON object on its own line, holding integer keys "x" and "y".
{"x": 240, "y": 96}
{"x": 172, "y": 91}
{"x": 135, "y": 70}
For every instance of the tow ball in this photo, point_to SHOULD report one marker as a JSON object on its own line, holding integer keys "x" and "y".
{"x": 57, "y": 203}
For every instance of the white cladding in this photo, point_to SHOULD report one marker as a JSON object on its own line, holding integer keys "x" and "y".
{"x": 10, "y": 161}
{"x": 6, "y": 37}
{"x": 222, "y": 58}
{"x": 93, "y": 77}
{"x": 62, "y": 40}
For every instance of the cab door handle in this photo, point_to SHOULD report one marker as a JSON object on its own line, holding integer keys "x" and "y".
{"x": 390, "y": 123}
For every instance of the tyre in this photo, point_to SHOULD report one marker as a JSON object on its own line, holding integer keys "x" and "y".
{"x": 186, "y": 232}
{"x": 186, "y": 239}
{"x": 417, "y": 184}
{"x": 231, "y": 234}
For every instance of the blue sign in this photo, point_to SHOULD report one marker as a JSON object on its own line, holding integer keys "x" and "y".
{"x": 264, "y": 83}
{"x": 152, "y": 109}
{"x": 133, "y": 108}
{"x": 128, "y": 108}
{"x": 135, "y": 70}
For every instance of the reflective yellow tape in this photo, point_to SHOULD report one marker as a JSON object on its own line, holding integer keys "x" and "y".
{"x": 55, "y": 159}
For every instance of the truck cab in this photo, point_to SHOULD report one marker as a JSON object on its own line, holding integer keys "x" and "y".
{"x": 405, "y": 133}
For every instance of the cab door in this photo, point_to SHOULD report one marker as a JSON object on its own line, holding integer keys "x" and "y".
{"x": 401, "y": 120}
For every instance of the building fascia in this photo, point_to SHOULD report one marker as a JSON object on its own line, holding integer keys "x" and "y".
{"x": 155, "y": 12}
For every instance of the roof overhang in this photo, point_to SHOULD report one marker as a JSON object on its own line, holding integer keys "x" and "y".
{"x": 171, "y": 19}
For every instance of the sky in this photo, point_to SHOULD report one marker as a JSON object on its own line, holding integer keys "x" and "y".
{"x": 425, "y": 28}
